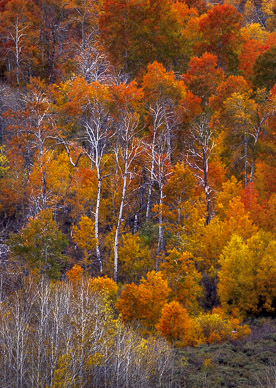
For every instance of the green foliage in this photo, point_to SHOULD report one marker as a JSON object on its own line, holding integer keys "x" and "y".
{"x": 41, "y": 245}
{"x": 149, "y": 233}
{"x": 264, "y": 70}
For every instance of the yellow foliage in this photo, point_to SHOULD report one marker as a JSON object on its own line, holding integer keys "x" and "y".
{"x": 105, "y": 285}
{"x": 134, "y": 259}
{"x": 3, "y": 161}
{"x": 58, "y": 174}
{"x": 267, "y": 7}
{"x": 213, "y": 240}
{"x": 249, "y": 10}
{"x": 248, "y": 274}
{"x": 236, "y": 277}
{"x": 180, "y": 186}
{"x": 238, "y": 221}
{"x": 216, "y": 327}
{"x": 263, "y": 247}
{"x": 207, "y": 363}
{"x": 255, "y": 31}
{"x": 95, "y": 359}
{"x": 62, "y": 374}
{"x": 84, "y": 235}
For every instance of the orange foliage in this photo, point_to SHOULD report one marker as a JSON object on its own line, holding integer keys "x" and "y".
{"x": 203, "y": 76}
{"x": 271, "y": 40}
{"x": 251, "y": 202}
{"x": 189, "y": 107}
{"x": 144, "y": 302}
{"x": 75, "y": 274}
{"x": 13, "y": 184}
{"x": 238, "y": 220}
{"x": 82, "y": 148}
{"x": 233, "y": 84}
{"x": 177, "y": 326}
{"x": 128, "y": 303}
{"x": 216, "y": 173}
{"x": 221, "y": 29}
{"x": 160, "y": 84}
{"x": 251, "y": 48}
{"x": 265, "y": 179}
{"x": 127, "y": 96}
{"x": 180, "y": 270}
{"x": 84, "y": 235}
{"x": 230, "y": 189}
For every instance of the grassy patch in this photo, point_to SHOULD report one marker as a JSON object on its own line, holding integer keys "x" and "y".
{"x": 236, "y": 364}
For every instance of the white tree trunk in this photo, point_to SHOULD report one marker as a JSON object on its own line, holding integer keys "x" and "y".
{"x": 119, "y": 223}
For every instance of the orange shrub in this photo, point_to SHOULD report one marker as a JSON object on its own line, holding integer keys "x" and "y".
{"x": 74, "y": 275}
{"x": 177, "y": 326}
{"x": 144, "y": 302}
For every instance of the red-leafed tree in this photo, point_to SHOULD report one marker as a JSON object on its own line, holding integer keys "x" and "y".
{"x": 221, "y": 30}
{"x": 203, "y": 76}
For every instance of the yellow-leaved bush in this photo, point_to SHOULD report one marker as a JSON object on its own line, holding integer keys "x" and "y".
{"x": 84, "y": 235}
{"x": 247, "y": 279}
{"x": 217, "y": 327}
{"x": 105, "y": 285}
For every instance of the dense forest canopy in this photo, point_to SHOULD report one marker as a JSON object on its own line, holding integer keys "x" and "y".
{"x": 137, "y": 168}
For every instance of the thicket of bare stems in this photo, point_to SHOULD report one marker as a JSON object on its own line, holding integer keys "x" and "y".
{"x": 52, "y": 335}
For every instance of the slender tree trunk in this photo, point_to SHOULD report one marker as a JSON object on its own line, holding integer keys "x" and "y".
{"x": 151, "y": 173}
{"x": 17, "y": 49}
{"x": 206, "y": 187}
{"x": 168, "y": 128}
{"x": 119, "y": 223}
{"x": 252, "y": 170}
{"x": 42, "y": 172}
{"x": 98, "y": 253}
{"x": 245, "y": 160}
{"x": 160, "y": 246}
{"x": 53, "y": 57}
{"x": 135, "y": 228}
{"x": 83, "y": 35}
{"x": 178, "y": 222}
